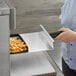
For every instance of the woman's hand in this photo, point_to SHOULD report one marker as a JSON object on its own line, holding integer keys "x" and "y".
{"x": 67, "y": 35}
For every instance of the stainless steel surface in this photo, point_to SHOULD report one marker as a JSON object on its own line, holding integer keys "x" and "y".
{"x": 12, "y": 14}
{"x": 38, "y": 41}
{"x": 4, "y": 46}
{"x": 12, "y": 18}
{"x": 30, "y": 64}
{"x": 3, "y": 4}
{"x": 7, "y": 9}
{"x": 5, "y": 23}
{"x": 54, "y": 62}
{"x": 48, "y": 38}
{"x": 4, "y": 10}
{"x": 56, "y": 55}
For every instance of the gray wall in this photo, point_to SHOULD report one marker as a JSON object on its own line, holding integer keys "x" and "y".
{"x": 32, "y": 13}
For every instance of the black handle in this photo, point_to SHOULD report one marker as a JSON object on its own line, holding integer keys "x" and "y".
{"x": 55, "y": 34}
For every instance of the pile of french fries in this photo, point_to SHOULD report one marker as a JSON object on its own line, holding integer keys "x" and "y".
{"x": 17, "y": 45}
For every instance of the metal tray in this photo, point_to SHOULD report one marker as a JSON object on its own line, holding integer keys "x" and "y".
{"x": 19, "y": 37}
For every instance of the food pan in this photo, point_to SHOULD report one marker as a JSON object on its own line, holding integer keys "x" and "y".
{"x": 19, "y": 37}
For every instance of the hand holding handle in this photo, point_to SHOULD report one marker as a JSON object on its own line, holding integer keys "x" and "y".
{"x": 55, "y": 34}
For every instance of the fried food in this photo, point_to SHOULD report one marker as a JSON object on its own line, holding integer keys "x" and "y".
{"x": 17, "y": 45}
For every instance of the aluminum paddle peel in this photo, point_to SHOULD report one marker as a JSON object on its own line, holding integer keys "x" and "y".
{"x": 38, "y": 41}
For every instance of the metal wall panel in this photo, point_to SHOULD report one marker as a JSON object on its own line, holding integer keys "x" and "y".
{"x": 4, "y": 46}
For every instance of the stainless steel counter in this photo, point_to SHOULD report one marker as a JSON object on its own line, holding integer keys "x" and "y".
{"x": 30, "y": 64}
{"x": 35, "y": 63}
